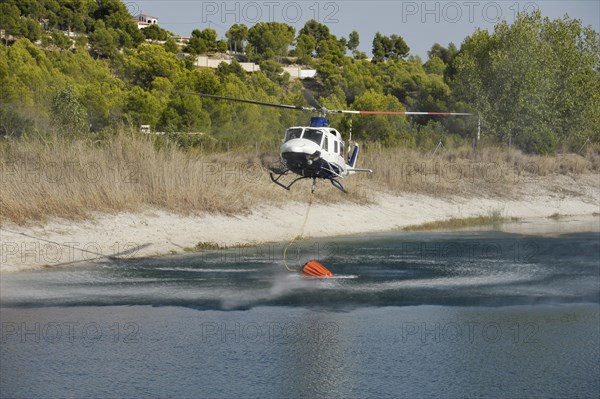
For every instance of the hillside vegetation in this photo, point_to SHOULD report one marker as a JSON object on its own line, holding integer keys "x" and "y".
{"x": 535, "y": 82}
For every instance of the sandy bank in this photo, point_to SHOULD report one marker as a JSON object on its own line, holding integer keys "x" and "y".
{"x": 155, "y": 232}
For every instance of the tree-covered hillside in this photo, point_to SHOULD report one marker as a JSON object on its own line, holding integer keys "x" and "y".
{"x": 80, "y": 67}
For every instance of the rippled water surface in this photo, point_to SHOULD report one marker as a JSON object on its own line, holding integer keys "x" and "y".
{"x": 486, "y": 314}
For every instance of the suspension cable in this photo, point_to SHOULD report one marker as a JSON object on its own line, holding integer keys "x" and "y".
{"x": 301, "y": 234}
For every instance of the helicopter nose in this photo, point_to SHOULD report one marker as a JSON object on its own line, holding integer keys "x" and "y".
{"x": 293, "y": 147}
{"x": 297, "y": 148}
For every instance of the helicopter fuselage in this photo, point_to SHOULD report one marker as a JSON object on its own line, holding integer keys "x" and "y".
{"x": 315, "y": 152}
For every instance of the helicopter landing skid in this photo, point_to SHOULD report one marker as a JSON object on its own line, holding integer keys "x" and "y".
{"x": 275, "y": 180}
{"x": 338, "y": 185}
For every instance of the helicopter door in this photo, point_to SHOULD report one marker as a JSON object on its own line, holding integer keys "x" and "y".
{"x": 326, "y": 143}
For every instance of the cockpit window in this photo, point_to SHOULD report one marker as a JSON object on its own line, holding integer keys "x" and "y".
{"x": 313, "y": 135}
{"x": 293, "y": 134}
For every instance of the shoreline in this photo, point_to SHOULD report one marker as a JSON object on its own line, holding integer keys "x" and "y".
{"x": 157, "y": 233}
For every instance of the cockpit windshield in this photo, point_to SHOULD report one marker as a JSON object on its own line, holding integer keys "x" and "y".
{"x": 313, "y": 135}
{"x": 293, "y": 133}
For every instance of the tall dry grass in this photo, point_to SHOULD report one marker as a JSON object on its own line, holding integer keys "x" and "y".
{"x": 44, "y": 178}
{"x": 53, "y": 177}
{"x": 488, "y": 171}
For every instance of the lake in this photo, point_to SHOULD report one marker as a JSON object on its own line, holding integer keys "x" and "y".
{"x": 445, "y": 314}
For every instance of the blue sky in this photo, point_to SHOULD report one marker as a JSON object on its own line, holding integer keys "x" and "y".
{"x": 420, "y": 23}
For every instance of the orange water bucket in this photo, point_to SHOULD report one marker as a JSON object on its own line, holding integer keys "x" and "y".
{"x": 315, "y": 269}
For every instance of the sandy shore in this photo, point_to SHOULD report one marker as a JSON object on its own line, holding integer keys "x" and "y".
{"x": 156, "y": 232}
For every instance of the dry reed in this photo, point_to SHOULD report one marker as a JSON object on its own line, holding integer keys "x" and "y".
{"x": 73, "y": 179}
{"x": 463, "y": 171}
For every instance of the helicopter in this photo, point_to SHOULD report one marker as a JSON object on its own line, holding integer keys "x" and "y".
{"x": 316, "y": 151}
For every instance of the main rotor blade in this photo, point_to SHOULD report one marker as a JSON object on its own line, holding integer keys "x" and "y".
{"x": 310, "y": 99}
{"x": 316, "y": 107}
{"x": 299, "y": 108}
{"x": 343, "y": 111}
{"x": 411, "y": 113}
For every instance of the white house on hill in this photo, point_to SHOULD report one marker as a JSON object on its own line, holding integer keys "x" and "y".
{"x": 144, "y": 20}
